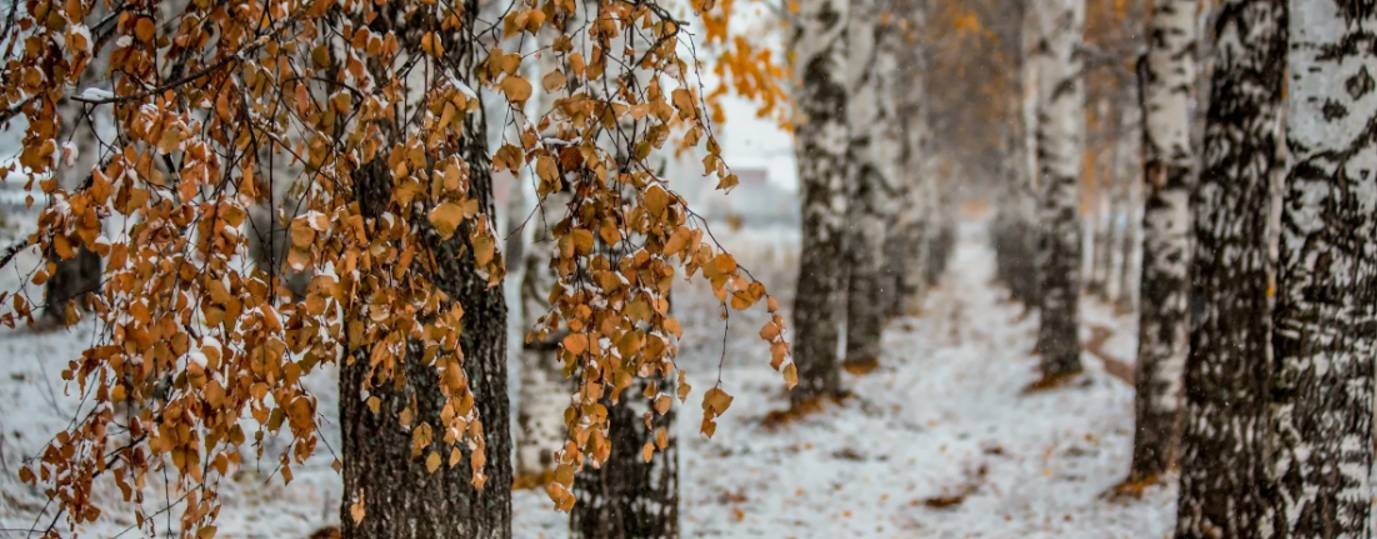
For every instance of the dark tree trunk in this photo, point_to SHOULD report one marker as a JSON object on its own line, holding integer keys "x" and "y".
{"x": 939, "y": 245}
{"x": 1129, "y": 266}
{"x": 1223, "y": 458}
{"x": 821, "y": 140}
{"x": 1097, "y": 284}
{"x": 73, "y": 280}
{"x": 1325, "y": 321}
{"x": 400, "y": 496}
{"x": 629, "y": 497}
{"x": 80, "y": 275}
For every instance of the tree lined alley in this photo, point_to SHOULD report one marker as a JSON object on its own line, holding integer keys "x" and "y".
{"x": 661, "y": 268}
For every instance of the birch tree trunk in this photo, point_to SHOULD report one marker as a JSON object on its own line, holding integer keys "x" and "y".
{"x": 1130, "y": 256}
{"x": 1103, "y": 224}
{"x": 1060, "y": 134}
{"x": 1024, "y": 284}
{"x": 820, "y": 142}
{"x": 1223, "y": 459}
{"x": 1123, "y": 209}
{"x": 941, "y": 234}
{"x": 1163, "y": 323}
{"x": 1326, "y": 303}
{"x": 903, "y": 246}
{"x": 628, "y": 496}
{"x": 543, "y": 393}
{"x": 400, "y": 496}
{"x": 874, "y": 157}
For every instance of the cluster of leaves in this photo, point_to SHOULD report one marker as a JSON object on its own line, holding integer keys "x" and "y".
{"x": 369, "y": 110}
{"x": 746, "y": 68}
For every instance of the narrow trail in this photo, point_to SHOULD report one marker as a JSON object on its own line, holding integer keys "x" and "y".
{"x": 939, "y": 441}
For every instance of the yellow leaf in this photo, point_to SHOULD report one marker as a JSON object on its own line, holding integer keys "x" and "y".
{"x": 576, "y": 343}
{"x": 445, "y": 218}
{"x": 741, "y": 300}
{"x": 516, "y": 89}
{"x": 564, "y": 500}
{"x": 583, "y": 240}
{"x": 433, "y": 462}
{"x": 656, "y": 199}
{"x": 143, "y": 29}
{"x": 724, "y": 264}
{"x": 769, "y": 331}
{"x": 677, "y": 241}
{"x": 553, "y": 80}
{"x": 683, "y": 101}
{"x": 302, "y": 235}
{"x": 547, "y": 169}
{"x": 717, "y": 400}
{"x": 356, "y": 509}
{"x": 484, "y": 250}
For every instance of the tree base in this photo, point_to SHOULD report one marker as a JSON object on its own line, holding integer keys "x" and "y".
{"x": 861, "y": 366}
{"x": 1050, "y": 382}
{"x": 1133, "y": 488}
{"x": 797, "y": 411}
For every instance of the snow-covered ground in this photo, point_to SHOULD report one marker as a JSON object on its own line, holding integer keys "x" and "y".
{"x": 940, "y": 441}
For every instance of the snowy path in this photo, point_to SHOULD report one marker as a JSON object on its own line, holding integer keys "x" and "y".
{"x": 942, "y": 422}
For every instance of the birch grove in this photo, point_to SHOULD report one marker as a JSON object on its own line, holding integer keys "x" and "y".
{"x": 499, "y": 268}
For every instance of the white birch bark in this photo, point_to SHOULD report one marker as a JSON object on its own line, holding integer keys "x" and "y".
{"x": 1326, "y": 304}
{"x": 820, "y": 141}
{"x": 904, "y": 249}
{"x": 875, "y": 149}
{"x": 1163, "y": 330}
{"x": 542, "y": 393}
{"x": 1060, "y": 138}
{"x": 1016, "y": 229}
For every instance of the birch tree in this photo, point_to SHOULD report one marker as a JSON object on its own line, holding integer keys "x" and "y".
{"x": 1060, "y": 133}
{"x": 1168, "y": 86}
{"x": 903, "y": 243}
{"x": 411, "y": 497}
{"x": 821, "y": 139}
{"x": 1025, "y": 283}
{"x": 874, "y": 152}
{"x": 1223, "y": 457}
{"x": 1325, "y": 337}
